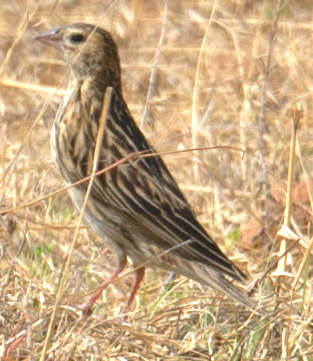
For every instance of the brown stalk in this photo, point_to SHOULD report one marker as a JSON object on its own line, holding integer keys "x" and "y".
{"x": 295, "y": 118}
{"x": 136, "y": 155}
{"x": 107, "y": 99}
{"x": 194, "y": 121}
{"x": 146, "y": 117}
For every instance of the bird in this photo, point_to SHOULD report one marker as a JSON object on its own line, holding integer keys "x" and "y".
{"x": 136, "y": 206}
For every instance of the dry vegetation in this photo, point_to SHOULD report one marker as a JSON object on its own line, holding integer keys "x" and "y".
{"x": 223, "y": 73}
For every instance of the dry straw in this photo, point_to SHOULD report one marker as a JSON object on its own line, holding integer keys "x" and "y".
{"x": 209, "y": 74}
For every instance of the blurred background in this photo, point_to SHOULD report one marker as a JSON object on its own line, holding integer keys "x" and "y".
{"x": 195, "y": 74}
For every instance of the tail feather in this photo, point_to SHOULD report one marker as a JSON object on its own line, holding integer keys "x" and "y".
{"x": 223, "y": 285}
{"x": 216, "y": 280}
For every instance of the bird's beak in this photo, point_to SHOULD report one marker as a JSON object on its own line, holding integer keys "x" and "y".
{"x": 51, "y": 38}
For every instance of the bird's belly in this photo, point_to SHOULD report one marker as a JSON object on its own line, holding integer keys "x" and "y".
{"x": 100, "y": 217}
{"x": 117, "y": 232}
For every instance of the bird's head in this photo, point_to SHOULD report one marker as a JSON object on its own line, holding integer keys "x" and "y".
{"x": 90, "y": 52}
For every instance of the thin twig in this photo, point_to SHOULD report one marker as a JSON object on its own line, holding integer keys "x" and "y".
{"x": 105, "y": 108}
{"x": 136, "y": 155}
{"x": 296, "y": 114}
{"x": 146, "y": 112}
{"x": 263, "y": 128}
{"x": 194, "y": 123}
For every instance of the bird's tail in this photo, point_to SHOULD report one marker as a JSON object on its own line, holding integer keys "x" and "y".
{"x": 216, "y": 280}
{"x": 220, "y": 283}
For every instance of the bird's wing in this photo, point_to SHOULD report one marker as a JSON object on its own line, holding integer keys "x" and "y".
{"x": 143, "y": 191}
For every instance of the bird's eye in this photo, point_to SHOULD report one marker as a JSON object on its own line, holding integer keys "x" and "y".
{"x": 77, "y": 38}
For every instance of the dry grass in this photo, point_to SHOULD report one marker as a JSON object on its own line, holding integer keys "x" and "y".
{"x": 226, "y": 73}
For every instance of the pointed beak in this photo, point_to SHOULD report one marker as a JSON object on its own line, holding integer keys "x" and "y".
{"x": 51, "y": 38}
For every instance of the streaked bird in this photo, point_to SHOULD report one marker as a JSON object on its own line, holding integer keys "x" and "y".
{"x": 137, "y": 205}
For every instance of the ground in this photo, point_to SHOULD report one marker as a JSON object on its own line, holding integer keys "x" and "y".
{"x": 196, "y": 74}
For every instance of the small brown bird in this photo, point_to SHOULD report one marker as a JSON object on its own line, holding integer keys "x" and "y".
{"x": 137, "y": 205}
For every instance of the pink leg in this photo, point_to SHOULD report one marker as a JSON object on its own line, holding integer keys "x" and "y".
{"x": 139, "y": 274}
{"x": 86, "y": 307}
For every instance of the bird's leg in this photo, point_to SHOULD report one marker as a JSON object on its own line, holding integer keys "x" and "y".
{"x": 139, "y": 274}
{"x": 86, "y": 307}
